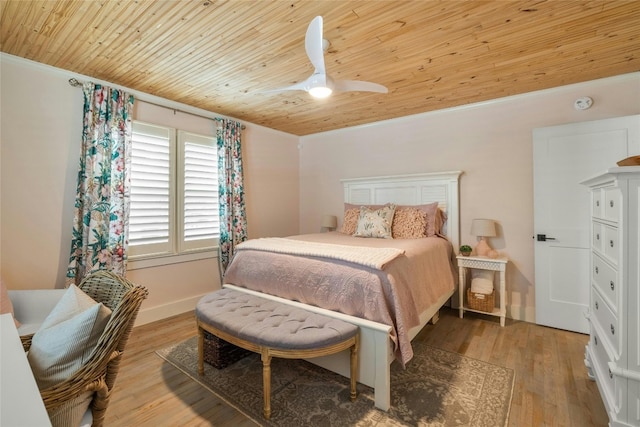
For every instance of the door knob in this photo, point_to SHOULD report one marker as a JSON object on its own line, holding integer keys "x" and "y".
{"x": 543, "y": 238}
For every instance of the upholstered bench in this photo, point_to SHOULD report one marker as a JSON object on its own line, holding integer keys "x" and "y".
{"x": 273, "y": 329}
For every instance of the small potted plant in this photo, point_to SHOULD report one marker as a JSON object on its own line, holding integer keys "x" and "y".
{"x": 465, "y": 250}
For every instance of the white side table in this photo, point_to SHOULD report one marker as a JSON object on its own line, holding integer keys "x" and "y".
{"x": 483, "y": 263}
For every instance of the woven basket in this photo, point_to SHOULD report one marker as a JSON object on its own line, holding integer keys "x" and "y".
{"x": 220, "y": 353}
{"x": 481, "y": 302}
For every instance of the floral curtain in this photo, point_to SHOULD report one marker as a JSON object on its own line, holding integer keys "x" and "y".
{"x": 100, "y": 226}
{"x": 233, "y": 218}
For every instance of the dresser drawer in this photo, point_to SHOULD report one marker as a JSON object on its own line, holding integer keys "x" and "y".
{"x": 597, "y": 236}
{"x": 612, "y": 202}
{"x": 634, "y": 402}
{"x": 601, "y": 370}
{"x": 597, "y": 203}
{"x": 605, "y": 321}
{"x": 611, "y": 243}
{"x": 605, "y": 279}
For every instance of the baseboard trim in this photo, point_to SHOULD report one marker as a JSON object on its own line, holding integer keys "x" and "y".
{"x": 173, "y": 308}
{"x": 525, "y": 314}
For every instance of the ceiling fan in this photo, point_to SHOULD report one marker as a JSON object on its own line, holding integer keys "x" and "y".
{"x": 320, "y": 84}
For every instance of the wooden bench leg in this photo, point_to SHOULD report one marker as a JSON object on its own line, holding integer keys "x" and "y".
{"x": 266, "y": 381}
{"x": 200, "y": 351}
{"x": 354, "y": 368}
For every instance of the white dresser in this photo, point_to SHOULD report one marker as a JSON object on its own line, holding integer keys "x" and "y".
{"x": 613, "y": 353}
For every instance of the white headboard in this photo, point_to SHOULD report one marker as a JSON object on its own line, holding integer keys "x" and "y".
{"x": 416, "y": 189}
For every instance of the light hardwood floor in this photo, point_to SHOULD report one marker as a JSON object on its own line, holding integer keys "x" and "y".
{"x": 551, "y": 386}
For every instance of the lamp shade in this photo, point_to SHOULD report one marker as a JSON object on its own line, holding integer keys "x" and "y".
{"x": 483, "y": 228}
{"x": 330, "y": 221}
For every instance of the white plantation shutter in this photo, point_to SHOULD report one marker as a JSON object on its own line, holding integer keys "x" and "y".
{"x": 199, "y": 220}
{"x": 150, "y": 226}
{"x": 174, "y": 192}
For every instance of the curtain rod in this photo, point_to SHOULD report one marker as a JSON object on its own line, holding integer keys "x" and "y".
{"x": 75, "y": 83}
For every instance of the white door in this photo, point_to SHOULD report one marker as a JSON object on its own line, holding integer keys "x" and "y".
{"x": 563, "y": 156}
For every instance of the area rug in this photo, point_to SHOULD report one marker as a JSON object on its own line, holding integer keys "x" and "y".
{"x": 438, "y": 388}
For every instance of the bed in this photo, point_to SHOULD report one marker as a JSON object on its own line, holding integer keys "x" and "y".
{"x": 319, "y": 271}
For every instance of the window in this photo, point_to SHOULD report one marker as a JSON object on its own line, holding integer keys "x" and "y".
{"x": 198, "y": 191}
{"x": 174, "y": 192}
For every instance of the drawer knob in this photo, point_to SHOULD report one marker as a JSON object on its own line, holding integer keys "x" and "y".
{"x": 596, "y": 305}
{"x": 613, "y": 330}
{"x": 610, "y": 373}
{"x": 598, "y": 203}
{"x": 595, "y": 340}
{"x": 611, "y": 203}
{"x": 612, "y": 285}
{"x": 611, "y": 243}
{"x": 596, "y": 269}
{"x": 598, "y": 237}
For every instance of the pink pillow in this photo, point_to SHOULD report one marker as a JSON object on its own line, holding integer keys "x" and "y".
{"x": 435, "y": 219}
{"x": 409, "y": 223}
{"x": 350, "y": 222}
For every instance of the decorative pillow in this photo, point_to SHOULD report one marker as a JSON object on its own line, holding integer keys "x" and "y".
{"x": 409, "y": 223}
{"x": 5, "y": 303}
{"x": 67, "y": 337}
{"x": 350, "y": 222}
{"x": 434, "y": 221}
{"x": 375, "y": 223}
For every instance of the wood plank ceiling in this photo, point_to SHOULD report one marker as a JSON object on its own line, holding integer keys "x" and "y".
{"x": 218, "y": 55}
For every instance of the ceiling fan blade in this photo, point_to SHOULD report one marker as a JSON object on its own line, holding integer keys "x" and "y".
{"x": 313, "y": 44}
{"x": 297, "y": 86}
{"x": 358, "y": 86}
{"x": 303, "y": 85}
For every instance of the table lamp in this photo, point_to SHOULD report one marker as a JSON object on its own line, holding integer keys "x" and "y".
{"x": 484, "y": 228}
{"x": 330, "y": 222}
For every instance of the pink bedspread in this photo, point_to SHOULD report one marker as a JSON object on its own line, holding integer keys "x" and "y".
{"x": 394, "y": 295}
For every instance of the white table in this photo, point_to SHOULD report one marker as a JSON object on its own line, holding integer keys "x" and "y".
{"x": 483, "y": 263}
{"x": 20, "y": 401}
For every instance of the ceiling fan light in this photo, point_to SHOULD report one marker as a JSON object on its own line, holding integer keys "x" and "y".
{"x": 320, "y": 91}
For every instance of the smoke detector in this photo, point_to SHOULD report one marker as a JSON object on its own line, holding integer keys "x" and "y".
{"x": 583, "y": 103}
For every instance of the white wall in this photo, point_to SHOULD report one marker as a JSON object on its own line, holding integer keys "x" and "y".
{"x": 491, "y": 142}
{"x": 40, "y": 136}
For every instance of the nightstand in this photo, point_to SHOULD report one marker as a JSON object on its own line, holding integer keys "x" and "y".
{"x": 483, "y": 263}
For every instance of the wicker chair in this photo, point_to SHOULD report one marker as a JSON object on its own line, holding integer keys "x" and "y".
{"x": 98, "y": 375}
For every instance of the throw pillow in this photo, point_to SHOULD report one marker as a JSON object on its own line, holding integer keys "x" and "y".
{"x": 375, "y": 223}
{"x": 409, "y": 223}
{"x": 350, "y": 222}
{"x": 434, "y": 221}
{"x": 67, "y": 337}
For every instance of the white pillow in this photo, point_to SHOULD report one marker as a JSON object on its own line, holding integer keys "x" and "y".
{"x": 375, "y": 223}
{"x": 67, "y": 337}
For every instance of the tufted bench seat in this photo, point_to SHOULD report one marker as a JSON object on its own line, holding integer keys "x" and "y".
{"x": 273, "y": 329}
